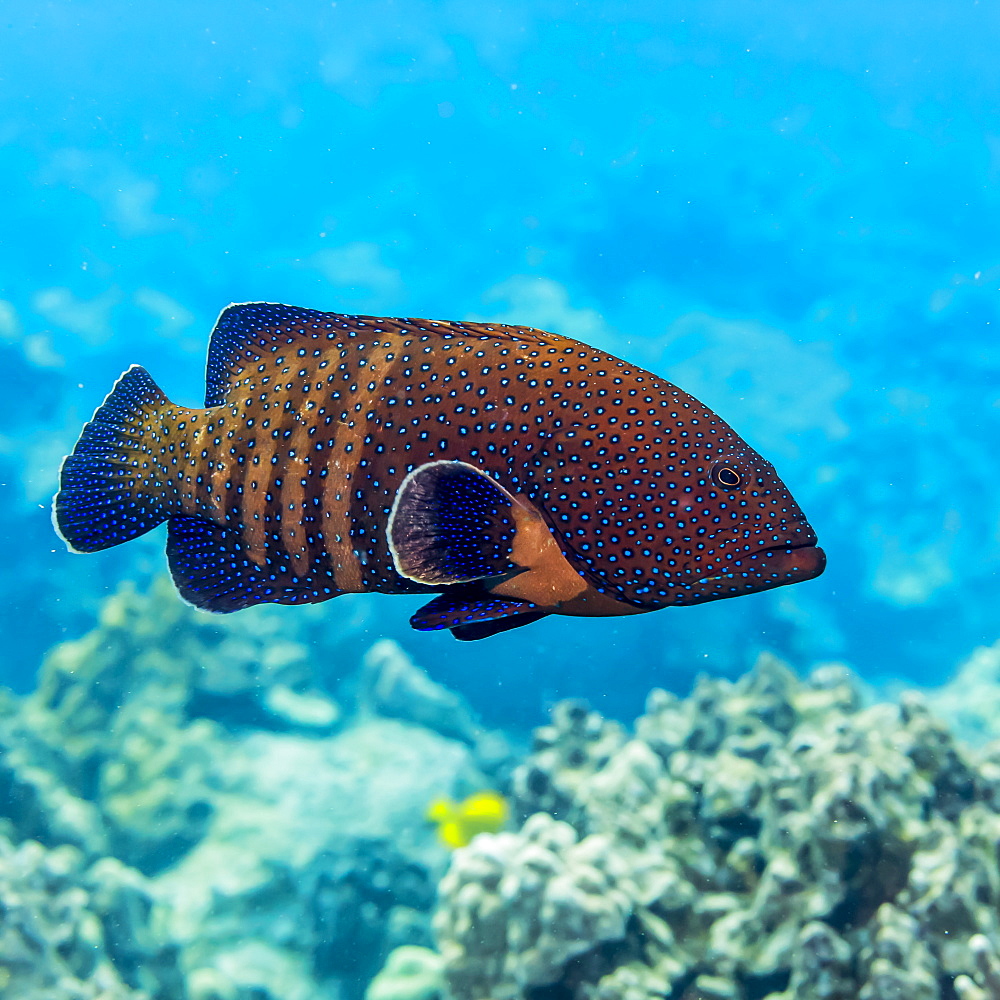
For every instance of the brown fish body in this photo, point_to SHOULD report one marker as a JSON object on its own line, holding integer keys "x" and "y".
{"x": 516, "y": 472}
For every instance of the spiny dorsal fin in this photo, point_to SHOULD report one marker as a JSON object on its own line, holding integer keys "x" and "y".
{"x": 247, "y": 332}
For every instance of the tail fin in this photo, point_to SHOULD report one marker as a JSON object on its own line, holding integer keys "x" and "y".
{"x": 111, "y": 488}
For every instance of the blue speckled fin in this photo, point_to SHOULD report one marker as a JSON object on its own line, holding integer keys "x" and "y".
{"x": 111, "y": 487}
{"x": 451, "y": 524}
{"x": 472, "y": 611}
{"x": 483, "y": 630}
{"x": 245, "y": 332}
{"x": 213, "y": 571}
{"x": 248, "y": 333}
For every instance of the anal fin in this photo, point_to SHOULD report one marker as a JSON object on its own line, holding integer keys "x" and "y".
{"x": 212, "y": 569}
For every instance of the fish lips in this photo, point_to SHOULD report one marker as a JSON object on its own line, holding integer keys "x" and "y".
{"x": 773, "y": 567}
{"x": 804, "y": 562}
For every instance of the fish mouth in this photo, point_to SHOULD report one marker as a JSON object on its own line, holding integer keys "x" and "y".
{"x": 802, "y": 562}
{"x": 792, "y": 563}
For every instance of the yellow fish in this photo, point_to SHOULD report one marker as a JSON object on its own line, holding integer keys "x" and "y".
{"x": 459, "y": 822}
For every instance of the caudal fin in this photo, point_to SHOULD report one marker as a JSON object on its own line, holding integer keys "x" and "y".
{"x": 111, "y": 488}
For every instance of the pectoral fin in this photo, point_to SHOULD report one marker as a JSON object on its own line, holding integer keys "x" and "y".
{"x": 451, "y": 524}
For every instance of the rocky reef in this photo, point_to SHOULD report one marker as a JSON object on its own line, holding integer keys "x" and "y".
{"x": 769, "y": 838}
{"x": 70, "y": 930}
{"x": 969, "y": 703}
{"x": 190, "y": 810}
{"x": 187, "y": 813}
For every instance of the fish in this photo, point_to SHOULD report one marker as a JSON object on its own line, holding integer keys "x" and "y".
{"x": 506, "y": 472}
{"x": 459, "y": 822}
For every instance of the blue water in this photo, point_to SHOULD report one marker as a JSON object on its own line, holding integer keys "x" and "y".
{"x": 790, "y": 209}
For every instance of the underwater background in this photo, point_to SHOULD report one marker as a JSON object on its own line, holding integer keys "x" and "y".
{"x": 790, "y": 210}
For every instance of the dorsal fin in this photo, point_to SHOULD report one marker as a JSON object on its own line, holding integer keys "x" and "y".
{"x": 246, "y": 332}
{"x": 243, "y": 332}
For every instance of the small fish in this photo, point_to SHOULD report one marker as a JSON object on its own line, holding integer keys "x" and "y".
{"x": 512, "y": 472}
{"x": 459, "y": 822}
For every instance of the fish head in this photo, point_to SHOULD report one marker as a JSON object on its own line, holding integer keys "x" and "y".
{"x": 739, "y": 531}
{"x": 672, "y": 507}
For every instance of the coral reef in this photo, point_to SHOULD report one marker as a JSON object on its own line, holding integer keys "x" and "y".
{"x": 121, "y": 736}
{"x": 410, "y": 973}
{"x": 390, "y": 685}
{"x": 187, "y": 813}
{"x": 317, "y": 853}
{"x": 970, "y": 701}
{"x": 765, "y": 838}
{"x": 279, "y": 836}
{"x": 73, "y": 931}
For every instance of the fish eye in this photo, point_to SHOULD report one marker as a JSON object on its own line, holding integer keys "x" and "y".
{"x": 726, "y": 477}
